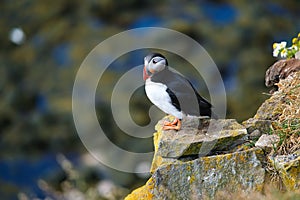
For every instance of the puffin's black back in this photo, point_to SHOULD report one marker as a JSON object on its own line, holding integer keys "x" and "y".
{"x": 182, "y": 93}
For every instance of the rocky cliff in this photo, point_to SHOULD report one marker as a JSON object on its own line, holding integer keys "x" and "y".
{"x": 207, "y": 157}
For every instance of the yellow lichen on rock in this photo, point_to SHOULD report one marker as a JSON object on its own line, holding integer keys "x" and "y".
{"x": 291, "y": 177}
{"x": 142, "y": 193}
{"x": 157, "y": 160}
{"x": 288, "y": 169}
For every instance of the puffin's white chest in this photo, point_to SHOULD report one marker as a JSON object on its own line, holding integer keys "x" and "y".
{"x": 157, "y": 94}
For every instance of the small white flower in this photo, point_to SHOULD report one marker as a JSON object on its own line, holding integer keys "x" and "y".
{"x": 275, "y": 53}
{"x": 282, "y": 45}
{"x": 283, "y": 53}
{"x": 278, "y": 48}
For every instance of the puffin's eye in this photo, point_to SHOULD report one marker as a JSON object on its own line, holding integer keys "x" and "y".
{"x": 154, "y": 61}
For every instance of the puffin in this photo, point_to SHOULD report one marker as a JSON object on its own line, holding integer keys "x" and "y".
{"x": 172, "y": 93}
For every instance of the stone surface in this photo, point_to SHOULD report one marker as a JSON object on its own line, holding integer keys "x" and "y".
{"x": 261, "y": 125}
{"x": 195, "y": 139}
{"x": 267, "y": 141}
{"x": 178, "y": 172}
{"x": 205, "y": 176}
{"x": 255, "y": 134}
{"x": 221, "y": 134}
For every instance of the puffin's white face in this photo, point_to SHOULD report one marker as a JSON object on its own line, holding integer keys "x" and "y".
{"x": 154, "y": 63}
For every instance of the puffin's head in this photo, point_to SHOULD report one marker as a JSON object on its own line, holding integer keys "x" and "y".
{"x": 153, "y": 63}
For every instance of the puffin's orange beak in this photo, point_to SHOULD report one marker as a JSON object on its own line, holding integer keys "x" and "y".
{"x": 145, "y": 75}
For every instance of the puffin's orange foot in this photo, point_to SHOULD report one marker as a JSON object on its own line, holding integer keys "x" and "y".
{"x": 174, "y": 125}
{"x": 174, "y": 122}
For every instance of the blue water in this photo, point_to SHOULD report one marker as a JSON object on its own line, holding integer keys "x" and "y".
{"x": 24, "y": 173}
{"x": 219, "y": 13}
{"x": 147, "y": 21}
{"x": 61, "y": 54}
{"x": 230, "y": 76}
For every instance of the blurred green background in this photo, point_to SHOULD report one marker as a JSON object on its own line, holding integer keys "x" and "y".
{"x": 44, "y": 42}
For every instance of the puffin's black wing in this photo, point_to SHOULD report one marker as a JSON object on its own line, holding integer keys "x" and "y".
{"x": 183, "y": 95}
{"x": 174, "y": 99}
